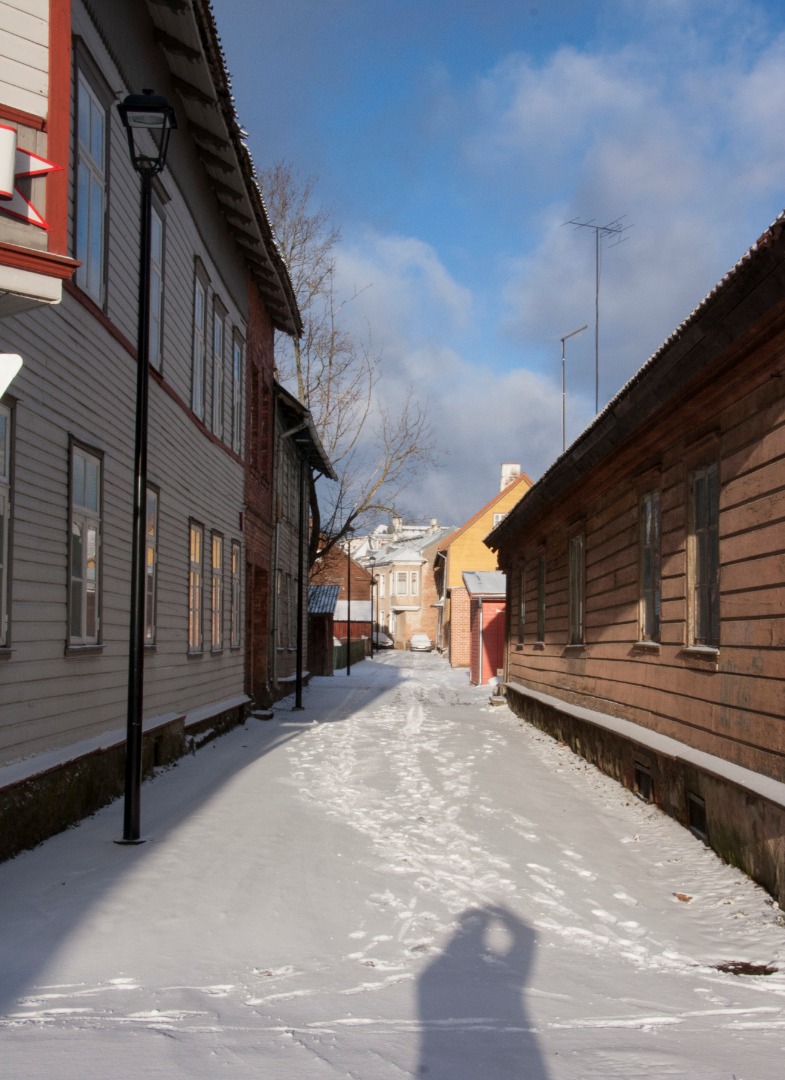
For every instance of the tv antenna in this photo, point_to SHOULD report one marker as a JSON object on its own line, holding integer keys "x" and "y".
{"x": 616, "y": 230}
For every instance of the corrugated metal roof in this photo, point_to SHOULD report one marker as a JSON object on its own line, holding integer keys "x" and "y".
{"x": 322, "y": 599}
{"x": 485, "y": 582}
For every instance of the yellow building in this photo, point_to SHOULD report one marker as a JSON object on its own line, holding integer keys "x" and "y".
{"x": 465, "y": 550}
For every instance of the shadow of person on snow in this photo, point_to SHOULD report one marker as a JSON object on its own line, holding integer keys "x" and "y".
{"x": 471, "y": 1008}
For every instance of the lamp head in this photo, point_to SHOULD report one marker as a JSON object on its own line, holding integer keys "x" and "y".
{"x": 144, "y": 116}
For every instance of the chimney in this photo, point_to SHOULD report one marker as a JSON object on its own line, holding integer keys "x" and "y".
{"x": 509, "y": 473}
{"x": 434, "y": 524}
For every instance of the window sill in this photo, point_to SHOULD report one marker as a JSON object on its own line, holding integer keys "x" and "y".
{"x": 83, "y": 650}
{"x": 646, "y": 646}
{"x": 700, "y": 652}
{"x": 195, "y": 654}
{"x": 576, "y": 647}
{"x": 217, "y": 650}
{"x": 5, "y": 652}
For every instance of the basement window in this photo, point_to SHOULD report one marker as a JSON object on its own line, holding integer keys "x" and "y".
{"x": 696, "y": 816}
{"x": 644, "y": 782}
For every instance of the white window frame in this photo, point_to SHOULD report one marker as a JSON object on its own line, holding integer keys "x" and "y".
{"x": 90, "y": 187}
{"x": 195, "y": 557}
{"x": 219, "y": 344}
{"x": 5, "y": 523}
{"x": 235, "y": 622}
{"x": 402, "y": 578}
{"x": 650, "y": 567}
{"x": 198, "y": 355}
{"x": 84, "y": 548}
{"x": 382, "y": 579}
{"x": 414, "y": 583}
{"x": 157, "y": 227}
{"x": 151, "y": 566}
{"x": 237, "y": 394}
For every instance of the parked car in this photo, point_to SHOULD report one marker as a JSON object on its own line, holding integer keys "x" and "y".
{"x": 381, "y": 641}
{"x": 420, "y": 643}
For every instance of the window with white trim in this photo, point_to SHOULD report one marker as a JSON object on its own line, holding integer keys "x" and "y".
{"x": 156, "y": 286}
{"x": 237, "y": 395}
{"x": 5, "y": 521}
{"x": 196, "y": 539}
{"x": 90, "y": 195}
{"x": 401, "y": 584}
{"x": 151, "y": 566}
{"x": 199, "y": 345}
{"x": 235, "y": 625}
{"x": 382, "y": 579}
{"x": 650, "y": 599}
{"x": 577, "y": 589}
{"x": 704, "y": 561}
{"x": 219, "y": 332}
{"x": 414, "y": 587}
{"x": 217, "y": 593}
{"x": 84, "y": 577}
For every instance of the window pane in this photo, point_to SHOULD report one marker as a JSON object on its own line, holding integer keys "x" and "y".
{"x": 91, "y": 485}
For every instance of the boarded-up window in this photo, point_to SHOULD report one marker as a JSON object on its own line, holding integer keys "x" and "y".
{"x": 522, "y": 604}
{"x": 576, "y": 594}
{"x": 541, "y": 598}
{"x": 650, "y": 600}
{"x": 705, "y": 557}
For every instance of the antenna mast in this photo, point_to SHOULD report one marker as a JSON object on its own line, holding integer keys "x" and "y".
{"x": 601, "y": 232}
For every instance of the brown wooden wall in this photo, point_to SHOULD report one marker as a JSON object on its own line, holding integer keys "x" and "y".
{"x": 732, "y": 703}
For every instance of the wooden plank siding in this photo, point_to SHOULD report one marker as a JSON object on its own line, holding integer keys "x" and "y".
{"x": 24, "y": 55}
{"x": 79, "y": 383}
{"x": 728, "y": 703}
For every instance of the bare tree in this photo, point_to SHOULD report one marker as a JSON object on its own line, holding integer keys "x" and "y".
{"x": 334, "y": 372}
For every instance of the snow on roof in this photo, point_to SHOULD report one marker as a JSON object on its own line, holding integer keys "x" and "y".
{"x": 485, "y": 582}
{"x": 361, "y": 610}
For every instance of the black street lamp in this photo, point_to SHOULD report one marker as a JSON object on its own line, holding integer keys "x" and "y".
{"x": 348, "y": 602}
{"x": 148, "y": 120}
{"x": 371, "y": 565}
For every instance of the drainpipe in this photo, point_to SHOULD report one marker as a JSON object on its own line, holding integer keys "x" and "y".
{"x": 482, "y": 659}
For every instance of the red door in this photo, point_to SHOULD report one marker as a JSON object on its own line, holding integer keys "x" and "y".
{"x": 493, "y": 626}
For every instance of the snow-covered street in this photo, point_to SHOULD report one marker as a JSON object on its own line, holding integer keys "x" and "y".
{"x": 399, "y": 881}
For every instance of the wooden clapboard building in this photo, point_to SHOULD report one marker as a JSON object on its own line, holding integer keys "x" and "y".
{"x": 646, "y": 576}
{"x": 219, "y": 291}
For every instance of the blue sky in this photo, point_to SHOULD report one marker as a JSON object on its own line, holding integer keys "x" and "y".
{"x": 452, "y": 139}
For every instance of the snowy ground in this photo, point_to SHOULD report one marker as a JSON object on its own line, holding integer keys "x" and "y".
{"x": 400, "y": 881}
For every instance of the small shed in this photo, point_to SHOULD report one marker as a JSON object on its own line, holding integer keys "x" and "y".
{"x": 487, "y": 591}
{"x": 321, "y": 609}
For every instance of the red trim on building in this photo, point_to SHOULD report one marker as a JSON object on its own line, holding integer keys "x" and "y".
{"x": 23, "y": 119}
{"x": 37, "y": 262}
{"x": 58, "y": 124}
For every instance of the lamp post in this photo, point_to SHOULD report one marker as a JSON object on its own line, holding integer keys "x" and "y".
{"x": 572, "y": 333}
{"x": 348, "y": 603}
{"x": 371, "y": 564}
{"x": 148, "y": 120}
